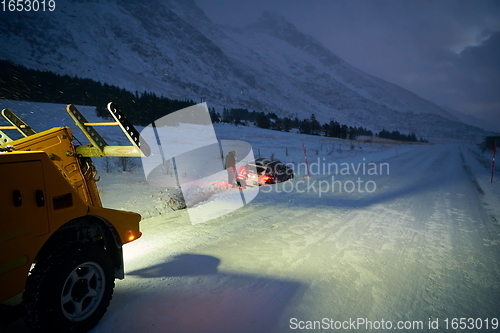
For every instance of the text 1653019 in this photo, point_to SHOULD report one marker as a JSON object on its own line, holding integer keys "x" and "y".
{"x": 28, "y": 5}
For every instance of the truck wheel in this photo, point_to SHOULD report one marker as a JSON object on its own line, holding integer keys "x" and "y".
{"x": 69, "y": 290}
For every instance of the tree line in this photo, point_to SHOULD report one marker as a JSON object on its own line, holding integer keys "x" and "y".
{"x": 333, "y": 129}
{"x": 20, "y": 83}
{"x": 240, "y": 116}
{"x": 396, "y": 135}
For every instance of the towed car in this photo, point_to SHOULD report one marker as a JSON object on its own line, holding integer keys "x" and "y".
{"x": 268, "y": 171}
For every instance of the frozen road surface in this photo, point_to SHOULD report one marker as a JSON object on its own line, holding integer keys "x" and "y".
{"x": 418, "y": 253}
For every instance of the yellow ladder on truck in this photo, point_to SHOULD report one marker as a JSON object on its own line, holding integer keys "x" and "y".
{"x": 98, "y": 146}
{"x": 17, "y": 124}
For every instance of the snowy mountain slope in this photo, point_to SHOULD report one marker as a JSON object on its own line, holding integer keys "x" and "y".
{"x": 171, "y": 47}
{"x": 329, "y": 65}
{"x": 138, "y": 48}
{"x": 469, "y": 119}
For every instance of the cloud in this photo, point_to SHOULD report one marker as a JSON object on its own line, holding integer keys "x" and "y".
{"x": 468, "y": 82}
{"x": 476, "y": 77}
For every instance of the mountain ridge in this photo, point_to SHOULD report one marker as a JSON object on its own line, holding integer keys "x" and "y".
{"x": 171, "y": 48}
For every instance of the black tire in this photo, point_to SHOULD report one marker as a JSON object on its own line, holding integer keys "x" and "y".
{"x": 69, "y": 290}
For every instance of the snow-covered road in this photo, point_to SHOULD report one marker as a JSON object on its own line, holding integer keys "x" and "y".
{"x": 422, "y": 247}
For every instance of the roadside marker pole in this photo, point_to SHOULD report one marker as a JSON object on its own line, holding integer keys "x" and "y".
{"x": 305, "y": 156}
{"x": 493, "y": 161}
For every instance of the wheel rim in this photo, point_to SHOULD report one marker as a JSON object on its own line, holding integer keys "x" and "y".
{"x": 83, "y": 291}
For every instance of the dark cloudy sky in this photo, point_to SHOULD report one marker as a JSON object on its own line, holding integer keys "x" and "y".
{"x": 445, "y": 51}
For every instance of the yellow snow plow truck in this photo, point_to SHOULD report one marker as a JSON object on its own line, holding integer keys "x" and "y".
{"x": 58, "y": 245}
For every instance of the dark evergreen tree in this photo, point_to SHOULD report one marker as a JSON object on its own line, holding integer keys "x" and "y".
{"x": 214, "y": 115}
{"x": 226, "y": 116}
{"x": 305, "y": 126}
{"x": 489, "y": 143}
{"x": 315, "y": 126}
{"x": 262, "y": 120}
{"x": 352, "y": 133}
{"x": 277, "y": 124}
{"x": 287, "y": 124}
{"x": 343, "y": 132}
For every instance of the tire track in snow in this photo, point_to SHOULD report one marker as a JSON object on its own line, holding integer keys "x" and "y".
{"x": 471, "y": 175}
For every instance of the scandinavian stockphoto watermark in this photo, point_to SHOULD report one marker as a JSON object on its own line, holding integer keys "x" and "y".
{"x": 332, "y": 177}
{"x": 186, "y": 154}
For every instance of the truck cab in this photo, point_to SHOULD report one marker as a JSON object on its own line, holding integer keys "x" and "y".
{"x": 59, "y": 246}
